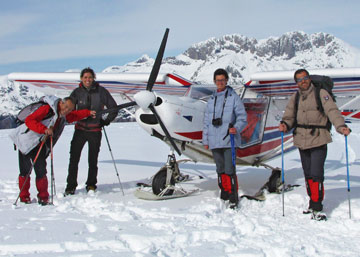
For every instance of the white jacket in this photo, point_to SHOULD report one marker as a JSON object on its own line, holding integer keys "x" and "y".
{"x": 26, "y": 139}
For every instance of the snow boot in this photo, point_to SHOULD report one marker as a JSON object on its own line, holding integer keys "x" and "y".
{"x": 42, "y": 187}
{"x": 69, "y": 191}
{"x": 223, "y": 181}
{"x": 90, "y": 188}
{"x": 233, "y": 195}
{"x": 24, "y": 189}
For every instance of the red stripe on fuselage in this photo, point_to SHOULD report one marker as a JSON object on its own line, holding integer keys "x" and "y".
{"x": 197, "y": 135}
{"x": 260, "y": 148}
{"x": 271, "y": 81}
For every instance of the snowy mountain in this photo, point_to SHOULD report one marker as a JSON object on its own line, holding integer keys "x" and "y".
{"x": 13, "y": 97}
{"x": 242, "y": 56}
{"x": 239, "y": 55}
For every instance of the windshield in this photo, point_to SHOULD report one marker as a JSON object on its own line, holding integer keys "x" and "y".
{"x": 201, "y": 92}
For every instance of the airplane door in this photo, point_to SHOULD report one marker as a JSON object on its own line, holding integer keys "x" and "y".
{"x": 256, "y": 109}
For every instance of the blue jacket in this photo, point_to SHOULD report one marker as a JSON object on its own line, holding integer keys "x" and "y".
{"x": 234, "y": 113}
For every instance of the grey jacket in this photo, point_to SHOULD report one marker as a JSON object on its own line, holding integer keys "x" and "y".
{"x": 233, "y": 112}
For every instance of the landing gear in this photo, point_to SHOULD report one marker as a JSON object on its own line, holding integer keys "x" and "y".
{"x": 165, "y": 178}
{"x": 274, "y": 183}
{"x": 163, "y": 183}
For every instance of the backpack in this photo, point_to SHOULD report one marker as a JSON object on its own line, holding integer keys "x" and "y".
{"x": 319, "y": 82}
{"x": 29, "y": 109}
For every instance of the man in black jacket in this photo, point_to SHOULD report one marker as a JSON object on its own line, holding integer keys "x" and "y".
{"x": 89, "y": 95}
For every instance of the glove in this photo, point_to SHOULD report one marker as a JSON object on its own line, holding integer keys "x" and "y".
{"x": 104, "y": 123}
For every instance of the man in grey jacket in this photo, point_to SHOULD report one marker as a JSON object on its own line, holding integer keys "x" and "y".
{"x": 225, "y": 114}
{"x": 311, "y": 135}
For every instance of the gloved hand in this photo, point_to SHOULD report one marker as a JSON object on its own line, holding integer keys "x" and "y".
{"x": 104, "y": 123}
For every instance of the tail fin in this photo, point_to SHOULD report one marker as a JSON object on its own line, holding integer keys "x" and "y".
{"x": 176, "y": 79}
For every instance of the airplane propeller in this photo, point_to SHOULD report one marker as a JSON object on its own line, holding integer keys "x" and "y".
{"x": 146, "y": 99}
{"x": 152, "y": 99}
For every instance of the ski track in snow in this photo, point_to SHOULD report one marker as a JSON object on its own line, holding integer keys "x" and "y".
{"x": 109, "y": 224}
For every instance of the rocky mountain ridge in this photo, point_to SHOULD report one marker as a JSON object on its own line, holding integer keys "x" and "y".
{"x": 239, "y": 55}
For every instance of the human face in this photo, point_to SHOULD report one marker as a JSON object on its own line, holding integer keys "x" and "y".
{"x": 66, "y": 108}
{"x": 87, "y": 79}
{"x": 303, "y": 81}
{"x": 220, "y": 82}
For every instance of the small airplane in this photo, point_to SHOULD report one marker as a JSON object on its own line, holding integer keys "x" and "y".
{"x": 177, "y": 118}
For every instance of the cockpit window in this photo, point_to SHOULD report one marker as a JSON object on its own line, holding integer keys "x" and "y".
{"x": 256, "y": 116}
{"x": 201, "y": 92}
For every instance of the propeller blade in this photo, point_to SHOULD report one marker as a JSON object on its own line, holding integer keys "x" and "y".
{"x": 152, "y": 108}
{"x": 116, "y": 109}
{"x": 155, "y": 70}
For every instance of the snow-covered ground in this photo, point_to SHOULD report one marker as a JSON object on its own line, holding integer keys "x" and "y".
{"x": 110, "y": 224}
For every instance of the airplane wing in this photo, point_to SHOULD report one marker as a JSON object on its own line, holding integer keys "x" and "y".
{"x": 121, "y": 85}
{"x": 281, "y": 84}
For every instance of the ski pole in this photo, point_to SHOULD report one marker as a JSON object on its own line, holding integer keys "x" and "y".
{"x": 233, "y": 151}
{"x": 282, "y": 171}
{"x": 32, "y": 166}
{"x": 117, "y": 173}
{"x": 347, "y": 175}
{"x": 52, "y": 172}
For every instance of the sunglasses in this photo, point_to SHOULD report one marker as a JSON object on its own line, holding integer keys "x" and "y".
{"x": 302, "y": 79}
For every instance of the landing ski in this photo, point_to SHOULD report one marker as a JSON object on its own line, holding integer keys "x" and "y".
{"x": 147, "y": 195}
{"x": 184, "y": 178}
{"x": 261, "y": 195}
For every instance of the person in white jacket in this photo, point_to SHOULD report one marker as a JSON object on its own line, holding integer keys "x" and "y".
{"x": 48, "y": 120}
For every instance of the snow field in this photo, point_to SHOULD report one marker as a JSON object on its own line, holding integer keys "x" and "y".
{"x": 109, "y": 224}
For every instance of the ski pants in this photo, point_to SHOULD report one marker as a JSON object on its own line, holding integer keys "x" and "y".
{"x": 25, "y": 162}
{"x": 223, "y": 160}
{"x": 313, "y": 161}
{"x": 78, "y": 141}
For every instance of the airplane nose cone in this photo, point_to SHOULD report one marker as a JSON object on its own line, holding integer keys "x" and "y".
{"x": 144, "y": 99}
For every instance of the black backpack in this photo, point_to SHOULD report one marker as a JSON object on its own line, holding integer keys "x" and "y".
{"x": 29, "y": 109}
{"x": 319, "y": 82}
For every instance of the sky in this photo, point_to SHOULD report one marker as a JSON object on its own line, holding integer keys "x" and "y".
{"x": 61, "y": 35}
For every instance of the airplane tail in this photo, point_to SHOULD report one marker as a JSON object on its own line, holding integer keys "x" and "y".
{"x": 172, "y": 78}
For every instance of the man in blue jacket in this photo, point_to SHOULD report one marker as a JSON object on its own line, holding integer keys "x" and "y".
{"x": 225, "y": 114}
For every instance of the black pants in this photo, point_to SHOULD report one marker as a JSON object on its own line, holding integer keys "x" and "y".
{"x": 78, "y": 141}
{"x": 223, "y": 160}
{"x": 313, "y": 161}
{"x": 39, "y": 166}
